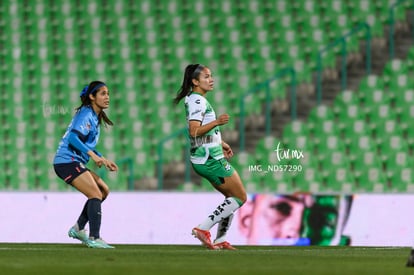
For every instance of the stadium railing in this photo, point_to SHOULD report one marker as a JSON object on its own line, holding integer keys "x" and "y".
{"x": 342, "y": 41}
{"x": 160, "y": 159}
{"x": 266, "y": 85}
{"x": 392, "y": 22}
{"x": 124, "y": 162}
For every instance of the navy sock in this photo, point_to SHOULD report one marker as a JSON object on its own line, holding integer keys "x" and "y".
{"x": 94, "y": 215}
{"x": 83, "y": 218}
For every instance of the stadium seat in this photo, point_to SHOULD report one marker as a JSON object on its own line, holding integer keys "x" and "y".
{"x": 353, "y": 128}
{"x": 360, "y": 143}
{"x": 308, "y": 180}
{"x": 319, "y": 113}
{"x": 141, "y": 47}
{"x": 373, "y": 179}
{"x": 339, "y": 180}
{"x": 343, "y": 100}
{"x": 293, "y": 132}
{"x": 266, "y": 146}
{"x": 401, "y": 179}
{"x": 378, "y": 114}
{"x": 393, "y": 69}
{"x": 390, "y": 144}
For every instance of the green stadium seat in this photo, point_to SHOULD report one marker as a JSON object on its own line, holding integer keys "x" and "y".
{"x": 370, "y": 83}
{"x": 403, "y": 100}
{"x": 400, "y": 83}
{"x": 393, "y": 69}
{"x": 397, "y": 160}
{"x": 294, "y": 129}
{"x": 373, "y": 99}
{"x": 295, "y": 136}
{"x": 384, "y": 7}
{"x": 328, "y": 143}
{"x": 392, "y": 143}
{"x": 386, "y": 128}
{"x": 266, "y": 146}
{"x": 343, "y": 100}
{"x": 278, "y": 182}
{"x": 154, "y": 41}
{"x": 351, "y": 112}
{"x": 354, "y": 128}
{"x": 308, "y": 180}
{"x": 339, "y": 180}
{"x": 360, "y": 143}
{"x": 319, "y": 113}
{"x": 401, "y": 179}
{"x": 378, "y": 114}
{"x": 361, "y": 9}
{"x": 333, "y": 159}
{"x": 373, "y": 179}
{"x": 410, "y": 59}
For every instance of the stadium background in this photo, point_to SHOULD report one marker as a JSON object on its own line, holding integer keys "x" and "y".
{"x": 355, "y": 132}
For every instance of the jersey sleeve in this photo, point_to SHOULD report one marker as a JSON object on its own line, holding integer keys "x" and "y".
{"x": 81, "y": 125}
{"x": 196, "y": 108}
{"x": 74, "y": 140}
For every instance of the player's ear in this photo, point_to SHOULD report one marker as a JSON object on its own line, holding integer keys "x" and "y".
{"x": 195, "y": 82}
{"x": 91, "y": 97}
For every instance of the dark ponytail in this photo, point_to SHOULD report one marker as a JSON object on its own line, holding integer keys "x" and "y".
{"x": 92, "y": 88}
{"x": 192, "y": 71}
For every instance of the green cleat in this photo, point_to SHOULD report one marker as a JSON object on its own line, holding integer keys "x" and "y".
{"x": 80, "y": 235}
{"x": 97, "y": 243}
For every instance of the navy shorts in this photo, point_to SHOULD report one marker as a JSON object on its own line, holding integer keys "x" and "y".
{"x": 69, "y": 171}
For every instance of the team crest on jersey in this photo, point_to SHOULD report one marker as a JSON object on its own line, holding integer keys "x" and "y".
{"x": 226, "y": 165}
{"x": 87, "y": 126}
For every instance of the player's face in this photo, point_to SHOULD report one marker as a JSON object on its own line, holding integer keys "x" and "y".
{"x": 276, "y": 217}
{"x": 205, "y": 80}
{"x": 101, "y": 99}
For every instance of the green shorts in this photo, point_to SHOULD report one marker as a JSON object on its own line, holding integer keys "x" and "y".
{"x": 214, "y": 170}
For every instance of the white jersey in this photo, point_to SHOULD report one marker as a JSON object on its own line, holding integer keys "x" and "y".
{"x": 198, "y": 108}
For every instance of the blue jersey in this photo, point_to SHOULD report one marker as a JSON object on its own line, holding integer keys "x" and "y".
{"x": 85, "y": 125}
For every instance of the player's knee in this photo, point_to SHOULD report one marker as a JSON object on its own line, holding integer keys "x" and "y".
{"x": 243, "y": 198}
{"x": 105, "y": 193}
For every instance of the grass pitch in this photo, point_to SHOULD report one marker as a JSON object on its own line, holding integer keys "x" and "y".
{"x": 185, "y": 259}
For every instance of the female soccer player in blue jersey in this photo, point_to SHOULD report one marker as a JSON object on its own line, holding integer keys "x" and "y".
{"x": 209, "y": 154}
{"x": 75, "y": 149}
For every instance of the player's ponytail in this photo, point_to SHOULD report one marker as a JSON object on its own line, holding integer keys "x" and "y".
{"x": 192, "y": 71}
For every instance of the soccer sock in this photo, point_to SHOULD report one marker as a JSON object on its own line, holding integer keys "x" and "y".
{"x": 94, "y": 215}
{"x": 83, "y": 218}
{"x": 222, "y": 211}
{"x": 222, "y": 229}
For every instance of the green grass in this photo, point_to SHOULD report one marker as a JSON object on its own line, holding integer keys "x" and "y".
{"x": 185, "y": 259}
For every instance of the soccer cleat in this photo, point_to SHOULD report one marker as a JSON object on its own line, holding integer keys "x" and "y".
{"x": 203, "y": 236}
{"x": 78, "y": 234}
{"x": 410, "y": 261}
{"x": 97, "y": 243}
{"x": 224, "y": 245}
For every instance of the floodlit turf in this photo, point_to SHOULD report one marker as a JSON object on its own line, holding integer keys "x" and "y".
{"x": 173, "y": 259}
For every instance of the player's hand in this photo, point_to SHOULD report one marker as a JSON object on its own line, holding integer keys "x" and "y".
{"x": 227, "y": 151}
{"x": 110, "y": 165}
{"x": 99, "y": 161}
{"x": 223, "y": 119}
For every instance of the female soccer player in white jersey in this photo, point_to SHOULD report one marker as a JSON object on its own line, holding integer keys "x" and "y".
{"x": 209, "y": 154}
{"x": 75, "y": 149}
